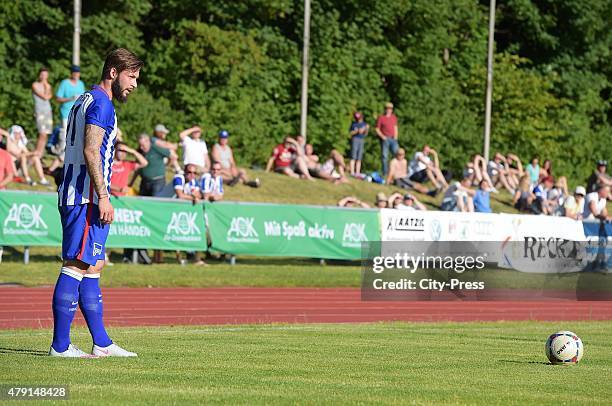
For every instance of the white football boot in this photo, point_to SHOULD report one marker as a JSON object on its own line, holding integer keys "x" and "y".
{"x": 71, "y": 352}
{"x": 112, "y": 350}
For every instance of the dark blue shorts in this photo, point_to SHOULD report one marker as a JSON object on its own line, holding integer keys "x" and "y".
{"x": 84, "y": 235}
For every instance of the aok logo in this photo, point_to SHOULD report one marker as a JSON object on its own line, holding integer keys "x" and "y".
{"x": 242, "y": 230}
{"x": 25, "y": 216}
{"x": 183, "y": 227}
{"x": 354, "y": 234}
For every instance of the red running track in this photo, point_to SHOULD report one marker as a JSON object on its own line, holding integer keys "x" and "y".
{"x": 31, "y": 307}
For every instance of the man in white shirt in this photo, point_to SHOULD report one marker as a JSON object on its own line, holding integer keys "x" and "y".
{"x": 422, "y": 168}
{"x": 595, "y": 206}
{"x": 195, "y": 151}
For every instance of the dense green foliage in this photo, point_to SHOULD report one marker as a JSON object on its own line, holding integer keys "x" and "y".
{"x": 236, "y": 65}
{"x": 378, "y": 363}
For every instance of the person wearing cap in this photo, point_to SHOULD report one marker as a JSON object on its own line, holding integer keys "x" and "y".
{"x": 160, "y": 139}
{"x": 195, "y": 150}
{"x": 68, "y": 91}
{"x": 599, "y": 176}
{"x": 386, "y": 129}
{"x": 595, "y": 204}
{"x": 16, "y": 146}
{"x": 358, "y": 131}
{"x": 222, "y": 153}
{"x": 381, "y": 201}
{"x": 574, "y": 205}
{"x": 405, "y": 202}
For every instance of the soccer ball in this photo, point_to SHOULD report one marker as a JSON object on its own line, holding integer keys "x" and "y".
{"x": 564, "y": 347}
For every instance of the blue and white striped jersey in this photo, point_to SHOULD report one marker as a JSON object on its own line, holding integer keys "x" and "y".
{"x": 93, "y": 107}
{"x": 210, "y": 184}
{"x": 187, "y": 187}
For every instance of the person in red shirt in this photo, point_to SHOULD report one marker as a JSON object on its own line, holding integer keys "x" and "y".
{"x": 288, "y": 158}
{"x": 122, "y": 169}
{"x": 386, "y": 129}
{"x": 6, "y": 169}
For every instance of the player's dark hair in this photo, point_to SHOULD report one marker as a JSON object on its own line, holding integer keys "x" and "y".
{"x": 121, "y": 59}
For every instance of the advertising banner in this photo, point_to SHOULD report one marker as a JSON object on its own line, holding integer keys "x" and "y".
{"x": 29, "y": 219}
{"x": 291, "y": 230}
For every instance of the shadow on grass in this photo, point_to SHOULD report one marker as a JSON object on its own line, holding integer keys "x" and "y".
{"x": 514, "y": 361}
{"x": 23, "y": 351}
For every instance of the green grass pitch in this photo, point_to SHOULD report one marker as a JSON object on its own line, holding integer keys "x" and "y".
{"x": 380, "y": 363}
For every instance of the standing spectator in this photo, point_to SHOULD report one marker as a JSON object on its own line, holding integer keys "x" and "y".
{"x": 160, "y": 138}
{"x": 459, "y": 197}
{"x": 212, "y": 184}
{"x": 154, "y": 174}
{"x": 195, "y": 150}
{"x": 287, "y": 159}
{"x": 574, "y": 205}
{"x": 358, "y": 131}
{"x": 595, "y": 205}
{"x": 122, "y": 169}
{"x": 386, "y": 129}
{"x": 68, "y": 91}
{"x": 186, "y": 185}
{"x": 398, "y": 174}
{"x": 599, "y": 176}
{"x": 482, "y": 198}
{"x": 223, "y": 153}
{"x": 422, "y": 168}
{"x": 533, "y": 170}
{"x": 16, "y": 145}
{"x": 41, "y": 94}
{"x": 6, "y": 169}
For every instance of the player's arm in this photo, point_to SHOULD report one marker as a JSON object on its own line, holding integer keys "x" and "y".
{"x": 93, "y": 161}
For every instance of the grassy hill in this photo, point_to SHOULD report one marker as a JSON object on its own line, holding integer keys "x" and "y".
{"x": 277, "y": 188}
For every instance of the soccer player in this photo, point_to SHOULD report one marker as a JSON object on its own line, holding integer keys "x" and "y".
{"x": 85, "y": 208}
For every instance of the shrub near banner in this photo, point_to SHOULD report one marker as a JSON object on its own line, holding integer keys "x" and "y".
{"x": 291, "y": 230}
{"x": 33, "y": 219}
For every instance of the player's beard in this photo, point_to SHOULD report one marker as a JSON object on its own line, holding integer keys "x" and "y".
{"x": 117, "y": 93}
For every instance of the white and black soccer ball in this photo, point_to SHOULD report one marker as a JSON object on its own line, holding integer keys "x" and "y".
{"x": 564, "y": 347}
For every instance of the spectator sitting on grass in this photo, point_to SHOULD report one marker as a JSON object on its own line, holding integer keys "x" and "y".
{"x": 499, "y": 172}
{"x": 16, "y": 145}
{"x": 195, "y": 151}
{"x": 286, "y": 159}
{"x": 398, "y": 174}
{"x": 595, "y": 205}
{"x": 358, "y": 132}
{"x": 7, "y": 173}
{"x": 160, "y": 139}
{"x": 476, "y": 169}
{"x": 332, "y": 169}
{"x": 574, "y": 205}
{"x": 599, "y": 176}
{"x": 352, "y": 202}
{"x": 482, "y": 198}
{"x": 541, "y": 205}
{"x": 186, "y": 185}
{"x": 459, "y": 196}
{"x": 122, "y": 169}
{"x": 405, "y": 202}
{"x": 523, "y": 197}
{"x": 381, "y": 201}
{"x": 222, "y": 153}
{"x": 533, "y": 170}
{"x": 423, "y": 168}
{"x": 212, "y": 184}
{"x": 515, "y": 167}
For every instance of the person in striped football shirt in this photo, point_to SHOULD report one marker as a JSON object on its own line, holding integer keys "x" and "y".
{"x": 85, "y": 208}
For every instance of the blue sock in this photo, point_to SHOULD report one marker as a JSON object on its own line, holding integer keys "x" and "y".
{"x": 65, "y": 302}
{"x": 90, "y": 300}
